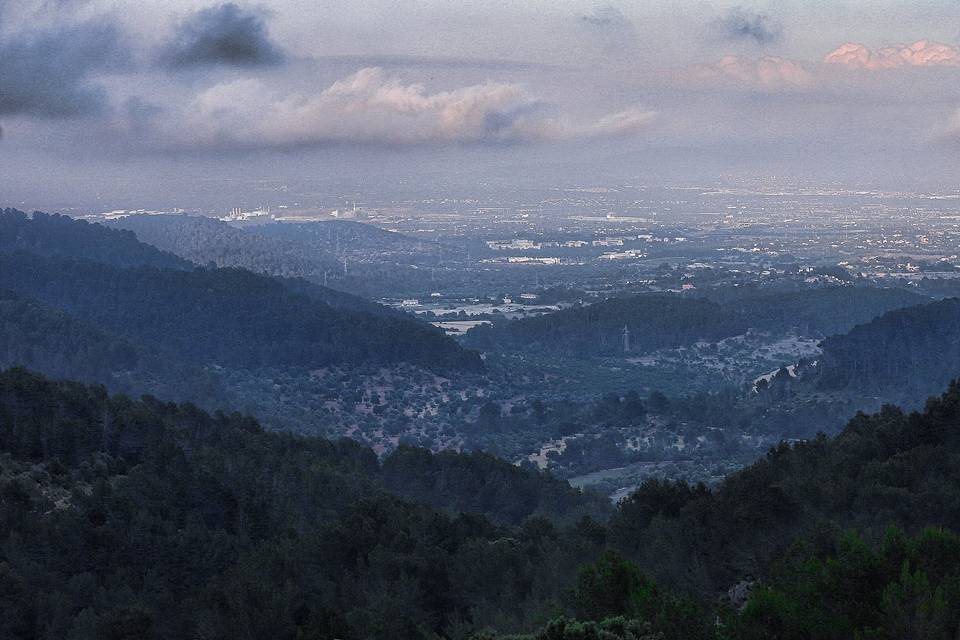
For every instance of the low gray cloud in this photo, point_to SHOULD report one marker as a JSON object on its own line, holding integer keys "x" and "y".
{"x": 950, "y": 132}
{"x": 51, "y": 73}
{"x": 225, "y": 35}
{"x": 434, "y": 62}
{"x": 740, "y": 24}
{"x": 372, "y": 107}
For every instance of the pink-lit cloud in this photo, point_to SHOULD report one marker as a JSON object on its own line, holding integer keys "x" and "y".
{"x": 763, "y": 73}
{"x": 374, "y": 107}
{"x": 922, "y": 53}
{"x": 774, "y": 73}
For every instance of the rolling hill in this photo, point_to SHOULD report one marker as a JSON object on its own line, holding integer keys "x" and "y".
{"x": 146, "y": 519}
{"x": 660, "y": 321}
{"x": 315, "y": 251}
{"x": 143, "y": 519}
{"x": 63, "y": 237}
{"x": 906, "y": 354}
{"x": 207, "y": 241}
{"x": 122, "y": 289}
{"x": 226, "y": 317}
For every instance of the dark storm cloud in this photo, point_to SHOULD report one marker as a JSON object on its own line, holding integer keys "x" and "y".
{"x": 743, "y": 25}
{"x": 610, "y": 28}
{"x": 50, "y": 73}
{"x": 225, "y": 35}
{"x": 605, "y": 18}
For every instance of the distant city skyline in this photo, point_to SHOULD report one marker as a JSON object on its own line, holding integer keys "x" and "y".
{"x": 133, "y": 104}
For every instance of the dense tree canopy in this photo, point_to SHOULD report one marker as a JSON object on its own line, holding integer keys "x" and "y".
{"x": 911, "y": 352}
{"x": 64, "y": 237}
{"x": 228, "y": 317}
{"x": 144, "y": 519}
{"x": 119, "y": 515}
{"x": 889, "y": 468}
{"x": 658, "y": 321}
{"x": 231, "y": 317}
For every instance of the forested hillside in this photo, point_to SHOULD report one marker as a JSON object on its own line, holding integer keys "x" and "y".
{"x": 910, "y": 352}
{"x": 655, "y": 322}
{"x": 206, "y": 241}
{"x": 481, "y": 483}
{"x": 823, "y": 311}
{"x": 59, "y": 236}
{"x": 45, "y": 339}
{"x": 227, "y": 317}
{"x": 143, "y": 519}
{"x": 108, "y": 280}
{"x": 660, "y": 321}
{"x": 197, "y": 240}
{"x": 351, "y": 237}
{"x": 351, "y": 256}
{"x": 888, "y": 468}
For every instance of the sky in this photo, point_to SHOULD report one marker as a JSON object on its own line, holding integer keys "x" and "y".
{"x": 108, "y": 102}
